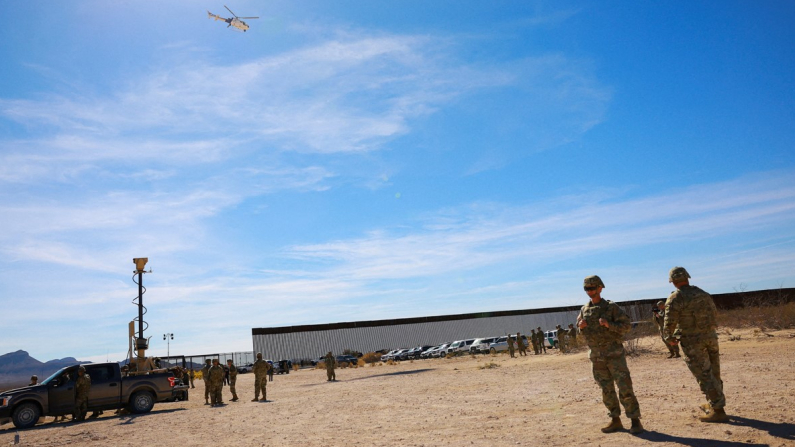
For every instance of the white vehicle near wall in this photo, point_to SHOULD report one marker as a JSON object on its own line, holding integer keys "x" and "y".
{"x": 460, "y": 345}
{"x": 481, "y": 345}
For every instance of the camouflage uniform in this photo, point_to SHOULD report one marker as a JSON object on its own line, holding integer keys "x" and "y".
{"x": 607, "y": 353}
{"x": 542, "y": 346}
{"x": 510, "y": 346}
{"x": 571, "y": 336}
{"x": 520, "y": 344}
{"x": 205, "y": 378}
{"x": 561, "y": 334}
{"x": 82, "y": 387}
{"x": 330, "y": 363}
{"x": 691, "y": 312}
{"x": 232, "y": 379}
{"x": 534, "y": 340}
{"x": 260, "y": 369}
{"x": 216, "y": 382}
{"x": 659, "y": 320}
{"x": 192, "y": 375}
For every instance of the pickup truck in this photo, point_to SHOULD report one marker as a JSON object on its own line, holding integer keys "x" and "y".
{"x": 110, "y": 389}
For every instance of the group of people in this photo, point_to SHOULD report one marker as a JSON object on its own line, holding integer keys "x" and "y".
{"x": 689, "y": 320}
{"x": 215, "y": 376}
{"x": 566, "y": 339}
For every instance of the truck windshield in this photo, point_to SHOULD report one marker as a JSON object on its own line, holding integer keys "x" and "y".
{"x": 53, "y": 376}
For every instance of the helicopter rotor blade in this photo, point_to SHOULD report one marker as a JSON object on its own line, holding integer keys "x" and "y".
{"x": 248, "y": 17}
{"x": 227, "y": 8}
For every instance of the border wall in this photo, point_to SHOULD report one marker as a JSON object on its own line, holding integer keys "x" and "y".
{"x": 312, "y": 341}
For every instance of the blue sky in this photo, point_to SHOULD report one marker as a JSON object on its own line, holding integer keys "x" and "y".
{"x": 367, "y": 160}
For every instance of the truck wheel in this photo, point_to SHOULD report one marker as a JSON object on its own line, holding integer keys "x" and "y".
{"x": 26, "y": 415}
{"x": 493, "y": 351}
{"x": 141, "y": 402}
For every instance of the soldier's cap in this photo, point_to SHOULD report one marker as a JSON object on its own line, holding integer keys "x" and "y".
{"x": 259, "y": 355}
{"x": 207, "y": 360}
{"x": 81, "y": 368}
{"x": 593, "y": 281}
{"x": 660, "y": 303}
{"x": 34, "y": 376}
{"x": 678, "y": 274}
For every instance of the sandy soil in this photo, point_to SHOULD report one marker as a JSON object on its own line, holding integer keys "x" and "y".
{"x": 547, "y": 400}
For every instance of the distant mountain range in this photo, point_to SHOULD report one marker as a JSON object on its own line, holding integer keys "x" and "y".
{"x": 17, "y": 367}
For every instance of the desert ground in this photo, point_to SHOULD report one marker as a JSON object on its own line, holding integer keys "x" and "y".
{"x": 545, "y": 400}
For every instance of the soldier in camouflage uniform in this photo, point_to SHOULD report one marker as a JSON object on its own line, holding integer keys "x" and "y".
{"x": 561, "y": 334}
{"x": 691, "y": 313}
{"x": 604, "y": 324}
{"x": 571, "y": 336}
{"x": 542, "y": 346}
{"x": 659, "y": 320}
{"x": 82, "y": 387}
{"x": 534, "y": 341}
{"x": 330, "y": 364}
{"x": 192, "y": 375}
{"x": 510, "y": 345}
{"x": 260, "y": 369}
{"x": 205, "y": 376}
{"x": 216, "y": 381}
{"x": 232, "y": 379}
{"x": 520, "y": 345}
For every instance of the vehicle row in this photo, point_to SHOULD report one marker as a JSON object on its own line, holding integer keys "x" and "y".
{"x": 471, "y": 345}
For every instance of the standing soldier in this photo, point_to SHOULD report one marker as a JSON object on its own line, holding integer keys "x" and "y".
{"x": 659, "y": 320}
{"x": 691, "y": 311}
{"x": 192, "y": 375}
{"x": 232, "y": 379}
{"x": 329, "y": 361}
{"x": 205, "y": 378}
{"x": 260, "y": 369}
{"x": 216, "y": 381}
{"x": 520, "y": 345}
{"x": 534, "y": 341}
{"x": 604, "y": 325}
{"x": 510, "y": 345}
{"x": 542, "y": 345}
{"x": 571, "y": 336}
{"x": 561, "y": 334}
{"x": 82, "y": 386}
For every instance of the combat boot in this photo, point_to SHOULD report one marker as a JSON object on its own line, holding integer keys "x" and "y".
{"x": 716, "y": 415}
{"x": 637, "y": 427}
{"x": 234, "y": 398}
{"x": 670, "y": 355}
{"x": 255, "y": 399}
{"x": 614, "y": 426}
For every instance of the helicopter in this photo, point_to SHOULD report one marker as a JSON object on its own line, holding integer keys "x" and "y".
{"x": 236, "y": 22}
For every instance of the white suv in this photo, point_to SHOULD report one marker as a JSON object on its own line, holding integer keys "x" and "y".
{"x": 460, "y": 345}
{"x": 481, "y": 345}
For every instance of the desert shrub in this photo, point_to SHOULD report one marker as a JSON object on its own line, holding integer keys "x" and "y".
{"x": 391, "y": 362}
{"x": 296, "y": 366}
{"x": 370, "y": 357}
{"x": 320, "y": 365}
{"x": 770, "y": 314}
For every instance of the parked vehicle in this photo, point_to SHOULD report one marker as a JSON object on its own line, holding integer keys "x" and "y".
{"x": 481, "y": 345}
{"x": 460, "y": 345}
{"x": 551, "y": 339}
{"x": 415, "y": 353}
{"x": 55, "y": 396}
{"x": 428, "y": 352}
{"x": 502, "y": 344}
{"x": 282, "y": 367}
{"x": 349, "y": 359}
{"x": 441, "y": 351}
{"x": 389, "y": 355}
{"x": 245, "y": 368}
{"x": 401, "y": 354}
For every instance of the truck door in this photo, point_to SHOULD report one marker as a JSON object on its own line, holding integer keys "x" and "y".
{"x": 61, "y": 393}
{"x": 105, "y": 391}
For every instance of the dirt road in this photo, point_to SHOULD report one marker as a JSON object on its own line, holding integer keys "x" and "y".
{"x": 547, "y": 400}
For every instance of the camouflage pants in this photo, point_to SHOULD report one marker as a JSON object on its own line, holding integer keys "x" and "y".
{"x": 702, "y": 357}
{"x": 216, "y": 395}
{"x": 522, "y": 350}
{"x": 510, "y": 351}
{"x": 260, "y": 385}
{"x": 206, "y": 391}
{"x": 535, "y": 347}
{"x": 331, "y": 374}
{"x": 232, "y": 382}
{"x": 609, "y": 367}
{"x": 81, "y": 408}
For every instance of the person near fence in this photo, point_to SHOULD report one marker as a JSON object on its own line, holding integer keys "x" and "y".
{"x": 534, "y": 340}
{"x": 260, "y": 369}
{"x": 658, "y": 313}
{"x": 205, "y": 378}
{"x": 330, "y": 363}
{"x": 216, "y": 382}
{"x": 520, "y": 345}
{"x": 604, "y": 324}
{"x": 691, "y": 314}
{"x": 232, "y": 371}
